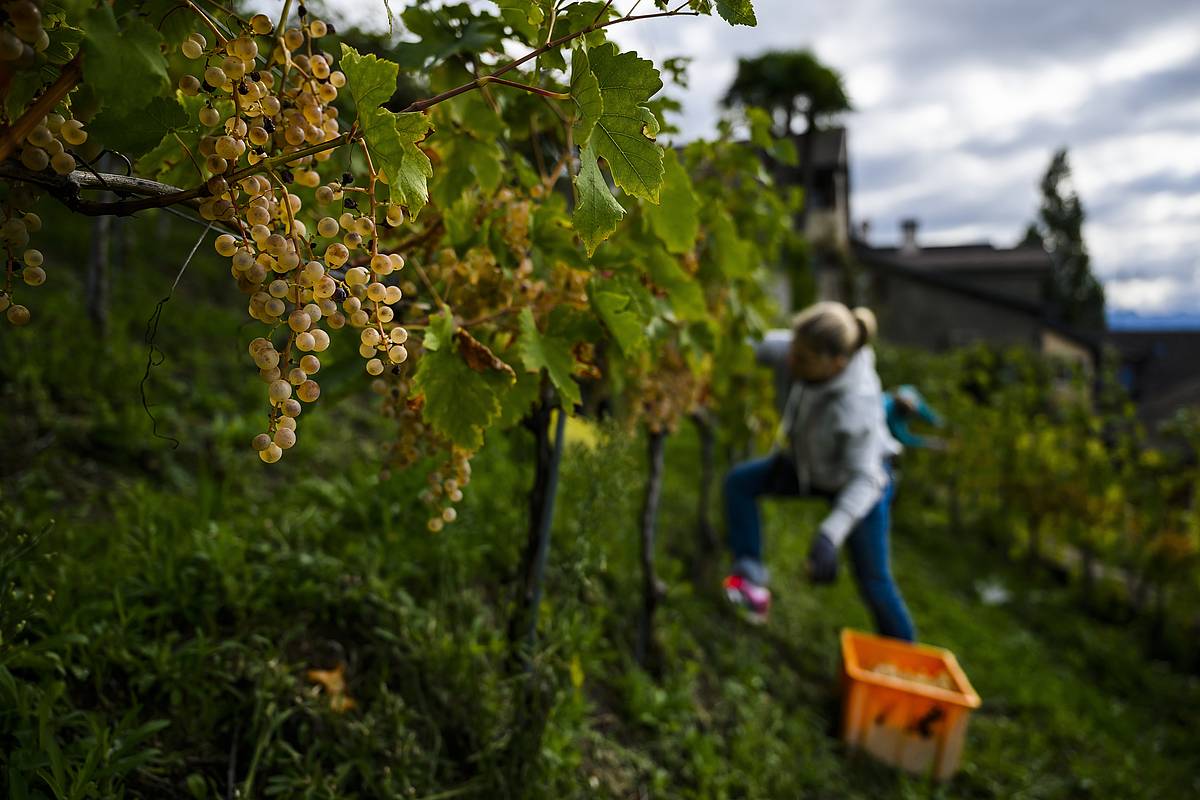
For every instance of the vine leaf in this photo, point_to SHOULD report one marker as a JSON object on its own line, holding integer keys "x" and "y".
{"x": 540, "y": 351}
{"x": 140, "y": 130}
{"x": 525, "y": 16}
{"x": 597, "y": 213}
{"x": 392, "y": 139}
{"x": 731, "y": 254}
{"x": 460, "y": 403}
{"x": 371, "y": 80}
{"x": 683, "y": 291}
{"x": 124, "y": 65}
{"x": 585, "y": 92}
{"x": 620, "y": 136}
{"x": 616, "y": 309}
{"x": 676, "y": 220}
{"x": 737, "y": 12}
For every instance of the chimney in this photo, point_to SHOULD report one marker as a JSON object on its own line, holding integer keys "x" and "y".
{"x": 864, "y": 231}
{"x": 908, "y": 244}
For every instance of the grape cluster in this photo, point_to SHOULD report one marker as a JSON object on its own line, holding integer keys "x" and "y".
{"x": 269, "y": 98}
{"x": 417, "y": 441}
{"x": 666, "y": 392}
{"x": 22, "y": 33}
{"x": 20, "y": 259}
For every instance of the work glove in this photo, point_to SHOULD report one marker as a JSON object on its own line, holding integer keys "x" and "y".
{"x": 822, "y": 560}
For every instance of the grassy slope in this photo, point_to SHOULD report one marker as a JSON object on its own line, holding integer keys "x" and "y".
{"x": 200, "y": 586}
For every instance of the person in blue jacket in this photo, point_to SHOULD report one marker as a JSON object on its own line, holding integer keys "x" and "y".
{"x": 904, "y": 405}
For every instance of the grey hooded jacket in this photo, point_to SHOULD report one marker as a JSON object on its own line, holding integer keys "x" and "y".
{"x": 838, "y": 440}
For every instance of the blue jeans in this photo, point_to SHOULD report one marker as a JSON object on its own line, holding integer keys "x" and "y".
{"x": 867, "y": 543}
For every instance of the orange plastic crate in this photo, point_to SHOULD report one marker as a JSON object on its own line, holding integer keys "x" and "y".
{"x": 915, "y": 726}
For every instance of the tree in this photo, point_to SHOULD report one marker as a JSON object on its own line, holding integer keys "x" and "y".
{"x": 786, "y": 84}
{"x": 1074, "y": 292}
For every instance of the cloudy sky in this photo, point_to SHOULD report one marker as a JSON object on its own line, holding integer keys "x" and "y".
{"x": 960, "y": 103}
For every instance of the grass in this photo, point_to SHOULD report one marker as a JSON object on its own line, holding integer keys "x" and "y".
{"x": 158, "y": 641}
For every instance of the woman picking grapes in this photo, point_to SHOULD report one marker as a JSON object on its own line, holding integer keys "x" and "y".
{"x": 837, "y": 447}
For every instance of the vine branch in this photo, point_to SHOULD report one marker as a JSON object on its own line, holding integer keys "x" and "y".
{"x": 421, "y": 105}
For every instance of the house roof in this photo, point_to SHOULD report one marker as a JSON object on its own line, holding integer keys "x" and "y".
{"x": 890, "y": 262}
{"x": 972, "y": 257}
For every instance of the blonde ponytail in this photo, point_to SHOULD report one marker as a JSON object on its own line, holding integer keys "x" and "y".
{"x": 833, "y": 329}
{"x": 868, "y": 326}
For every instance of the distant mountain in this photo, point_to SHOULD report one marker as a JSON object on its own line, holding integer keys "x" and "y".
{"x": 1133, "y": 321}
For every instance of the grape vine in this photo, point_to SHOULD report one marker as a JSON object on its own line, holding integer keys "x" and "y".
{"x": 459, "y": 237}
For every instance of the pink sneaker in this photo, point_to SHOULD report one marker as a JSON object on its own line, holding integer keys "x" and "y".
{"x": 753, "y": 600}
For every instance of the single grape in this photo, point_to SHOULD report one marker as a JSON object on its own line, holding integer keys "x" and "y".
{"x": 310, "y": 364}
{"x": 449, "y": 514}
{"x": 374, "y": 366}
{"x": 279, "y": 391}
{"x": 63, "y": 163}
{"x": 435, "y": 524}
{"x": 33, "y": 276}
{"x": 226, "y": 244}
{"x": 261, "y": 24}
{"x": 290, "y": 407}
{"x": 397, "y": 354}
{"x": 73, "y": 133}
{"x": 18, "y": 315}
{"x": 305, "y": 342}
{"x": 272, "y": 454}
{"x": 285, "y": 438}
{"x": 32, "y": 258}
{"x": 35, "y": 159}
{"x": 308, "y": 391}
{"x": 328, "y": 227}
{"x": 261, "y": 442}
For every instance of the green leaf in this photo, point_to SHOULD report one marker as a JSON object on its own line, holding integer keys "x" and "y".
{"x": 440, "y": 330}
{"x": 620, "y": 136}
{"x": 517, "y": 400}
{"x": 676, "y": 219}
{"x": 737, "y": 12}
{"x": 460, "y": 403}
{"x": 393, "y": 139}
{"x": 732, "y": 255}
{"x": 525, "y": 16}
{"x": 585, "y": 92}
{"x": 170, "y": 18}
{"x": 544, "y": 351}
{"x": 466, "y": 162}
{"x": 597, "y": 213}
{"x": 615, "y": 309}
{"x": 124, "y": 66}
{"x": 371, "y": 80}
{"x": 141, "y": 130}
{"x": 64, "y": 44}
{"x": 683, "y": 291}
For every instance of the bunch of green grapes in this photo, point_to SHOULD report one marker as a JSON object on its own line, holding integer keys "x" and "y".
{"x": 268, "y": 97}
{"x": 22, "y": 34}
{"x": 415, "y": 442}
{"x": 21, "y": 261}
{"x": 665, "y": 391}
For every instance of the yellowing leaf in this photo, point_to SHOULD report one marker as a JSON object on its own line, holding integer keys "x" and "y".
{"x": 333, "y": 681}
